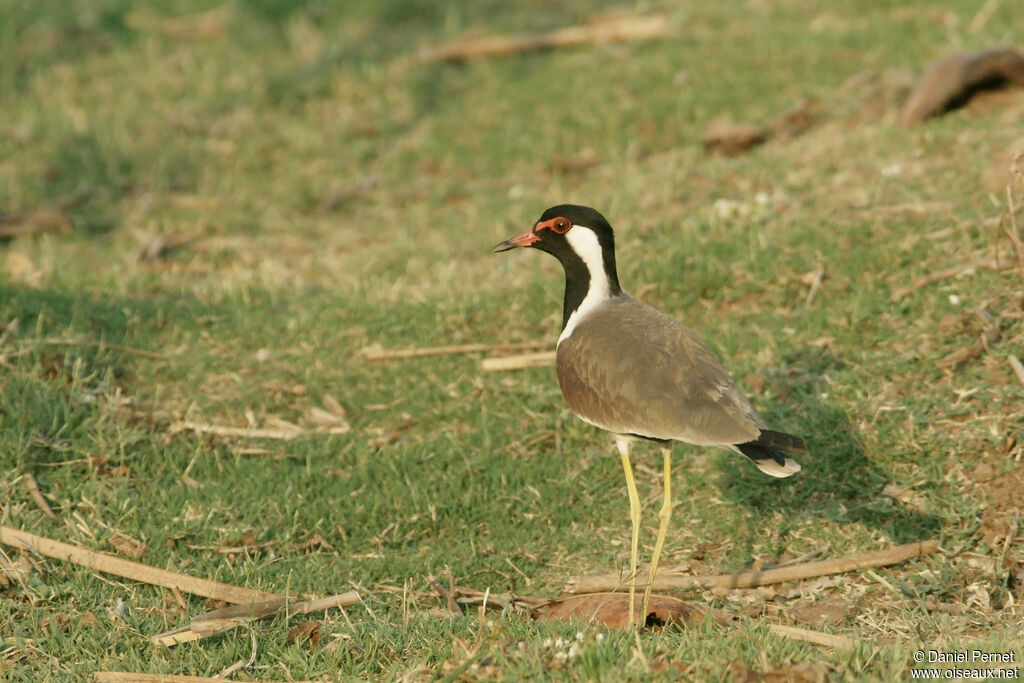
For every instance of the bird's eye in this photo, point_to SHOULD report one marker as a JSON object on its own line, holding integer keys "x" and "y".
{"x": 561, "y": 226}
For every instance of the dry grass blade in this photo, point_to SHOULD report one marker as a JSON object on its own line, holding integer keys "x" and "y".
{"x": 37, "y": 496}
{"x": 242, "y": 663}
{"x": 838, "y": 565}
{"x": 224, "y": 619}
{"x": 816, "y": 280}
{"x": 130, "y": 570}
{"x": 947, "y": 274}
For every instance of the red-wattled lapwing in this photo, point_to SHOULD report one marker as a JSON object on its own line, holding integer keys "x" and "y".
{"x": 632, "y": 370}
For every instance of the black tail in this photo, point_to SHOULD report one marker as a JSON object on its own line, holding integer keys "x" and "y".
{"x": 784, "y": 442}
{"x": 766, "y": 452}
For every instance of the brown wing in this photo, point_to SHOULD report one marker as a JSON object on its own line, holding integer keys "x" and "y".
{"x": 631, "y": 369}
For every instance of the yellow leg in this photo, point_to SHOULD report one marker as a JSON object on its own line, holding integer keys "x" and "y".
{"x": 663, "y": 519}
{"x": 634, "y": 518}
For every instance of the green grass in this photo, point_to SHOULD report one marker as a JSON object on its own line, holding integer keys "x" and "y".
{"x": 323, "y": 192}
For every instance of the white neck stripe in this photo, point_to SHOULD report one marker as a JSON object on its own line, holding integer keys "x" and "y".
{"x": 584, "y": 242}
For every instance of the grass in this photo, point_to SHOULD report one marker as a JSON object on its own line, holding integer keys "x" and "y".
{"x": 321, "y": 192}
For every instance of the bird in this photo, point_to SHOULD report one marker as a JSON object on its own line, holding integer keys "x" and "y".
{"x": 640, "y": 374}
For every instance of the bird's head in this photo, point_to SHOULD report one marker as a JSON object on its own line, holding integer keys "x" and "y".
{"x": 565, "y": 230}
{"x": 581, "y": 239}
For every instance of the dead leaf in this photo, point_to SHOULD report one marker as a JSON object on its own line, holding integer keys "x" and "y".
{"x": 16, "y": 570}
{"x": 755, "y": 382}
{"x": 55, "y": 622}
{"x": 23, "y": 269}
{"x": 612, "y": 610}
{"x": 796, "y": 120}
{"x": 307, "y": 631}
{"x": 802, "y": 672}
{"x": 323, "y": 419}
{"x": 723, "y": 136}
{"x": 335, "y": 407}
{"x": 315, "y": 542}
{"x": 126, "y": 545}
{"x": 408, "y": 422}
{"x": 829, "y": 611}
{"x": 582, "y": 161}
{"x": 34, "y": 222}
{"x": 275, "y": 422}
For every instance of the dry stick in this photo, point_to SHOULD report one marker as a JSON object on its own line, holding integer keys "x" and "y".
{"x": 838, "y": 565}
{"x": 808, "y": 636}
{"x": 447, "y": 595}
{"x": 800, "y": 560}
{"x": 1018, "y": 369}
{"x": 608, "y": 30}
{"x": 33, "y": 488}
{"x": 104, "y": 562}
{"x": 819, "y": 275}
{"x": 220, "y": 620}
{"x": 526, "y": 360}
{"x": 374, "y": 353}
{"x": 947, "y": 274}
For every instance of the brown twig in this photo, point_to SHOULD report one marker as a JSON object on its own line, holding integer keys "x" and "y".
{"x": 447, "y": 595}
{"x": 800, "y": 560}
{"x": 128, "y": 569}
{"x": 608, "y": 30}
{"x": 525, "y": 360}
{"x": 831, "y": 640}
{"x": 224, "y": 619}
{"x": 471, "y": 596}
{"x": 947, "y": 274}
{"x": 377, "y": 353}
{"x": 33, "y": 488}
{"x": 751, "y": 579}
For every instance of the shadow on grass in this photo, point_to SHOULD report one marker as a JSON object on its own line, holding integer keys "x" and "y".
{"x": 837, "y": 483}
{"x": 66, "y": 351}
